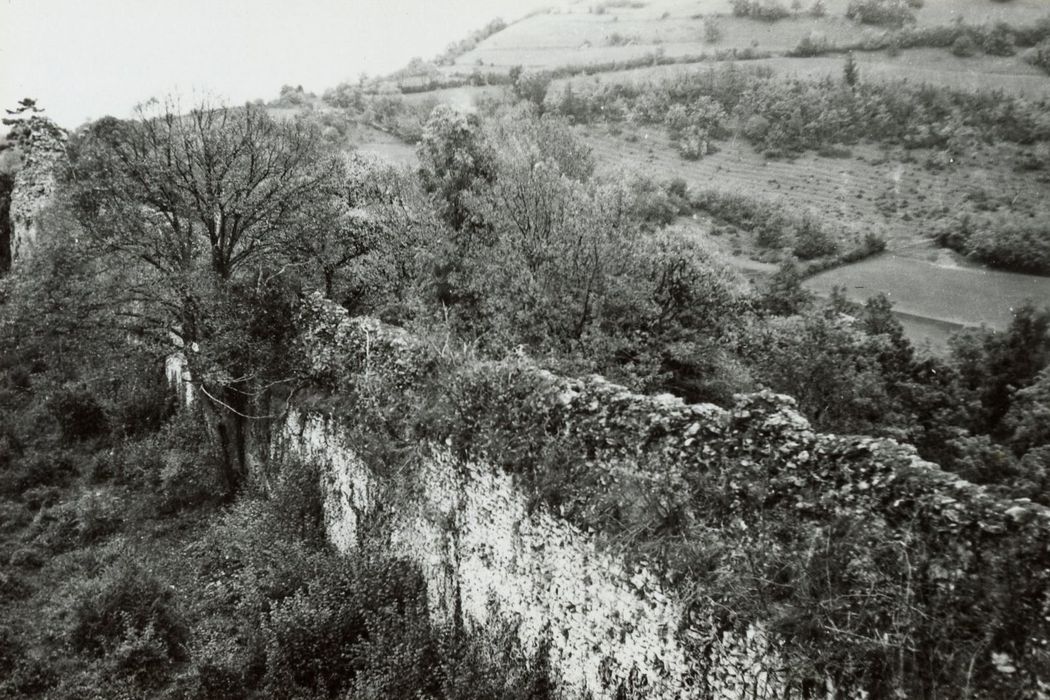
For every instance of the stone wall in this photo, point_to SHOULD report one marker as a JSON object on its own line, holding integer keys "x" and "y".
{"x": 42, "y": 147}
{"x": 611, "y": 630}
{"x": 616, "y": 624}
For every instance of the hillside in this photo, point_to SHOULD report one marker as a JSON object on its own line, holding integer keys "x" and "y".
{"x": 631, "y": 350}
{"x": 903, "y": 192}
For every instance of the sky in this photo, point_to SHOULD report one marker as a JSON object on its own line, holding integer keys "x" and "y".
{"x": 84, "y": 59}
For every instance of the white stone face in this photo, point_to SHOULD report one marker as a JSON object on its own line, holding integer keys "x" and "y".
{"x": 470, "y": 530}
{"x": 178, "y": 375}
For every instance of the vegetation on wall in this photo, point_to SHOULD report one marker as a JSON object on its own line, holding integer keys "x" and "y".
{"x": 748, "y": 514}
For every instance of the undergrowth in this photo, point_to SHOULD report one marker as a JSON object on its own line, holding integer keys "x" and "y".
{"x": 124, "y": 577}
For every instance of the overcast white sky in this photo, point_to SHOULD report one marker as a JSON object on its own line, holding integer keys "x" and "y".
{"x": 82, "y": 59}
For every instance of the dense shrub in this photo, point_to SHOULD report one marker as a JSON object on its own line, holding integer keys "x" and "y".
{"x": 1001, "y": 242}
{"x": 789, "y": 115}
{"x": 964, "y": 46}
{"x": 772, "y": 228}
{"x": 812, "y": 241}
{"x": 79, "y": 414}
{"x": 313, "y": 635}
{"x": 1013, "y": 246}
{"x": 891, "y": 13}
{"x": 998, "y": 41}
{"x": 125, "y": 605}
{"x": 764, "y": 10}
{"x": 1039, "y": 55}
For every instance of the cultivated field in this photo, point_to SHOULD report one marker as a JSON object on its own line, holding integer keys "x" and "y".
{"x": 871, "y": 190}
{"x": 1010, "y": 74}
{"x": 590, "y": 33}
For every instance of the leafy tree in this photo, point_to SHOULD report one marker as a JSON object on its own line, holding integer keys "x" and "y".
{"x": 453, "y": 156}
{"x": 198, "y": 207}
{"x": 786, "y": 296}
{"x": 964, "y": 46}
{"x": 850, "y": 72}
{"x": 1028, "y": 419}
{"x": 999, "y": 40}
{"x": 532, "y": 86}
{"x": 995, "y": 365}
{"x": 557, "y": 238}
{"x": 826, "y": 364}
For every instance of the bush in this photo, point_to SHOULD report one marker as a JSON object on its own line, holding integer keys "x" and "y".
{"x": 78, "y": 413}
{"x": 314, "y": 636}
{"x": 125, "y": 603}
{"x": 812, "y": 44}
{"x": 964, "y": 46}
{"x": 890, "y": 13}
{"x": 998, "y": 41}
{"x": 298, "y": 502}
{"x": 812, "y": 241}
{"x": 764, "y": 10}
{"x": 1039, "y": 55}
{"x": 142, "y": 656}
{"x": 38, "y": 470}
{"x": 177, "y": 466}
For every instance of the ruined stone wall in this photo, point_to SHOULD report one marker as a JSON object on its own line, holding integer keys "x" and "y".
{"x": 615, "y": 624}
{"x": 611, "y": 630}
{"x": 42, "y": 148}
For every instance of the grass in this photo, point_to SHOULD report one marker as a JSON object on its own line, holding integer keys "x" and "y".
{"x": 927, "y": 66}
{"x": 955, "y": 294}
{"x": 578, "y": 36}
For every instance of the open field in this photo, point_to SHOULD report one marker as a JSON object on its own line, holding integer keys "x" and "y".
{"x": 936, "y": 298}
{"x": 367, "y": 140}
{"x": 926, "y": 66}
{"x": 1010, "y": 74}
{"x": 586, "y": 33}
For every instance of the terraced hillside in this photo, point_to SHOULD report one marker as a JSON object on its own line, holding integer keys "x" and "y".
{"x": 906, "y": 195}
{"x": 586, "y": 34}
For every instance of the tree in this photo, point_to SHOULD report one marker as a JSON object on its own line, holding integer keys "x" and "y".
{"x": 824, "y": 363}
{"x": 786, "y": 296}
{"x": 995, "y": 365}
{"x": 7, "y": 184}
{"x": 452, "y": 157}
{"x": 199, "y": 206}
{"x": 850, "y": 73}
{"x": 532, "y": 86}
